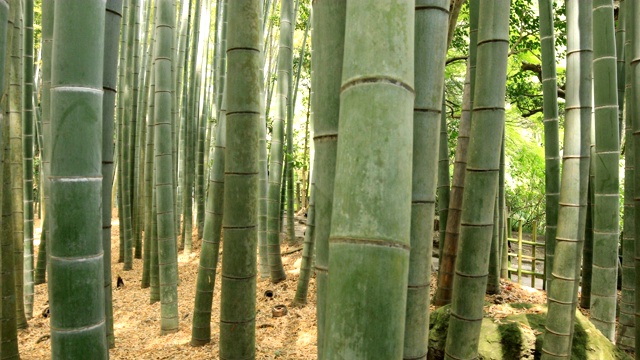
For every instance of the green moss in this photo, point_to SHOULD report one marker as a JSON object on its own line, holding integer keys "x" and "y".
{"x": 520, "y": 336}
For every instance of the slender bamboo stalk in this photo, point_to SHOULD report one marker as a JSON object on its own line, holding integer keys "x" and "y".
{"x": 551, "y": 137}
{"x": 16, "y": 159}
{"x": 627, "y": 330}
{"x": 481, "y": 181}
{"x": 113, "y": 17}
{"x": 47, "y": 46}
{"x": 8, "y": 330}
{"x": 562, "y": 293}
{"x": 285, "y": 63}
{"x": 444, "y": 188}
{"x": 201, "y": 328}
{"x": 302, "y": 290}
{"x": 27, "y": 138}
{"x": 328, "y": 48}
{"x": 431, "y": 19}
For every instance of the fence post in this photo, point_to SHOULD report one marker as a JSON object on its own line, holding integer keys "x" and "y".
{"x": 533, "y": 254}
{"x": 519, "y": 251}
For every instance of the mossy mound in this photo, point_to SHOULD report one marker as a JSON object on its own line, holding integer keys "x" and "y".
{"x": 519, "y": 336}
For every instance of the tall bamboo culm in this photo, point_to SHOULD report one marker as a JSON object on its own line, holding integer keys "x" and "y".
{"x": 604, "y": 292}
{"x": 27, "y": 138}
{"x": 113, "y": 16}
{"x": 633, "y": 36}
{"x": 240, "y": 220}
{"x": 76, "y": 269}
{"x": 481, "y": 181}
{"x": 551, "y": 137}
{"x": 626, "y": 332}
{"x": 562, "y": 292}
{"x": 371, "y": 217}
{"x": 164, "y": 166}
{"x": 45, "y": 105}
{"x": 326, "y": 69}
{"x": 8, "y": 331}
{"x": 431, "y": 19}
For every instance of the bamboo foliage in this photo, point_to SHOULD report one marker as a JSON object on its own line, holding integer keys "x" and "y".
{"x": 481, "y": 182}
{"x": 76, "y": 269}
{"x": 562, "y": 295}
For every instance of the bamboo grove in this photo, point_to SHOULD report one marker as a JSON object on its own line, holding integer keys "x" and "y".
{"x": 178, "y": 118}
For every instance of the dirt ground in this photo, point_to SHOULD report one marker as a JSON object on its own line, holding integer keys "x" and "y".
{"x": 137, "y": 323}
{"x": 291, "y": 337}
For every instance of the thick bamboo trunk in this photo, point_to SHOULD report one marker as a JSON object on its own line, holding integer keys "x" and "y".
{"x": 77, "y": 269}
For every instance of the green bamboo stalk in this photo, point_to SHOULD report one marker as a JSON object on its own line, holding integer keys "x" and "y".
{"x": 626, "y": 332}
{"x": 620, "y": 65}
{"x": 137, "y": 134}
{"x": 328, "y": 26}
{"x": 8, "y": 330}
{"x": 16, "y": 159}
{"x": 149, "y": 188}
{"x": 27, "y": 131}
{"x": 120, "y": 118}
{"x": 240, "y": 221}
{"x": 201, "y": 330}
{"x": 285, "y": 64}
{"x": 493, "y": 280}
{"x": 446, "y": 270}
{"x": 113, "y": 17}
{"x": 448, "y": 259}
{"x": 167, "y": 258}
{"x": 481, "y": 181}
{"x": 444, "y": 188}
{"x": 504, "y": 249}
{"x": 371, "y": 218}
{"x": 302, "y": 290}
{"x": 633, "y": 51}
{"x": 76, "y": 269}
{"x": 551, "y": 137}
{"x": 47, "y": 45}
{"x": 562, "y": 293}
{"x": 587, "y": 250}
{"x": 431, "y": 19}
{"x": 604, "y": 292}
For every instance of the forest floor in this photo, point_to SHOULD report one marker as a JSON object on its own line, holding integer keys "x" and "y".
{"x": 291, "y": 337}
{"x": 137, "y": 323}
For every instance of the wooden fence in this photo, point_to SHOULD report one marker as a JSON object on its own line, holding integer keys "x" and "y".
{"x": 516, "y": 258}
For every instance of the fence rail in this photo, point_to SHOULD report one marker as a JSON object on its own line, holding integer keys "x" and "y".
{"x": 518, "y": 256}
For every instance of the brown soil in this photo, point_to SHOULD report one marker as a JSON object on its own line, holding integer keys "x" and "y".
{"x": 137, "y": 326}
